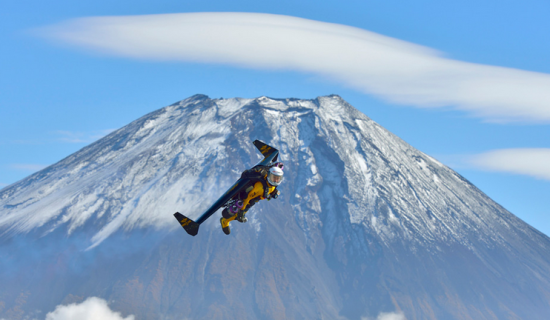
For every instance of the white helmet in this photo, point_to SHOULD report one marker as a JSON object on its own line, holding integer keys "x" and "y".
{"x": 275, "y": 176}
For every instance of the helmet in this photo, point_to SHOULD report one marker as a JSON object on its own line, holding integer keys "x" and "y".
{"x": 275, "y": 176}
{"x": 280, "y": 165}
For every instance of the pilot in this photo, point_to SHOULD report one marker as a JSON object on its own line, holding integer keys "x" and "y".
{"x": 263, "y": 186}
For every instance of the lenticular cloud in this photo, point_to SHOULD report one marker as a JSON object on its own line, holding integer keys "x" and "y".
{"x": 531, "y": 162}
{"x": 395, "y": 70}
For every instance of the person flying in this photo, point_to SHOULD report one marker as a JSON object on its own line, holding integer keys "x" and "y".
{"x": 264, "y": 183}
{"x": 255, "y": 184}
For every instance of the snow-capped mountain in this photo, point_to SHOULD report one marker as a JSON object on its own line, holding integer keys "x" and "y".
{"x": 365, "y": 224}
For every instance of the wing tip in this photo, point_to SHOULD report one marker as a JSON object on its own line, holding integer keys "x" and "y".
{"x": 264, "y": 148}
{"x": 190, "y": 226}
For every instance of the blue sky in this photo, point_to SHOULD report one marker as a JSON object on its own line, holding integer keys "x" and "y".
{"x": 58, "y": 95}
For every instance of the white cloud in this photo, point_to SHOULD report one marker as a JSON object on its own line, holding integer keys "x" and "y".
{"x": 31, "y": 167}
{"x": 91, "y": 309}
{"x": 531, "y": 162}
{"x": 391, "y": 316}
{"x": 396, "y": 70}
{"x": 388, "y": 316}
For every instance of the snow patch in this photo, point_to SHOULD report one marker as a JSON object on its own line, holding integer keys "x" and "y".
{"x": 176, "y": 159}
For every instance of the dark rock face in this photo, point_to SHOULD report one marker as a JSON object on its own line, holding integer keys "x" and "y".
{"x": 365, "y": 224}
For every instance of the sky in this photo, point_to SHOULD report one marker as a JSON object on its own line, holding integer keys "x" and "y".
{"x": 467, "y": 82}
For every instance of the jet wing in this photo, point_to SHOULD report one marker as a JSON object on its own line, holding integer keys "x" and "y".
{"x": 236, "y": 188}
{"x": 270, "y": 153}
{"x": 192, "y": 227}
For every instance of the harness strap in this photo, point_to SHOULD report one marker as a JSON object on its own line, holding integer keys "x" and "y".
{"x": 259, "y": 175}
{"x": 266, "y": 188}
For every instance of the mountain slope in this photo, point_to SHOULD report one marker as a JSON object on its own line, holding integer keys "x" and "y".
{"x": 365, "y": 224}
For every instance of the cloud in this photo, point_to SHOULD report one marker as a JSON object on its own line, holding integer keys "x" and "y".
{"x": 91, "y": 309}
{"x": 395, "y": 70}
{"x": 531, "y": 162}
{"x": 389, "y": 316}
{"x": 82, "y": 137}
{"x": 27, "y": 167}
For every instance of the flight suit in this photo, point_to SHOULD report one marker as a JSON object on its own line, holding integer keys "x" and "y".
{"x": 253, "y": 194}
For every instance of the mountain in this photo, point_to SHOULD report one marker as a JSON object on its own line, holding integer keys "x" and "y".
{"x": 365, "y": 224}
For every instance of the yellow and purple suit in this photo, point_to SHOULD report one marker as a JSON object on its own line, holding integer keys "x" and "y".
{"x": 254, "y": 194}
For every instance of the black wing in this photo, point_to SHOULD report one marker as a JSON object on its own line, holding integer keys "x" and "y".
{"x": 236, "y": 188}
{"x": 192, "y": 227}
{"x": 270, "y": 153}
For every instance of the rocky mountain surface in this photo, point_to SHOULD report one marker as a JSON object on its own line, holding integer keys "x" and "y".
{"x": 365, "y": 224}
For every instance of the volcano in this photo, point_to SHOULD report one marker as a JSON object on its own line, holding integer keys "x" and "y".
{"x": 365, "y": 224}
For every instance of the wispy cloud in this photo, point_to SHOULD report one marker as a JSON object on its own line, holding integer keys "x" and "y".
{"x": 391, "y": 316}
{"x": 531, "y": 162}
{"x": 388, "y": 316}
{"x": 91, "y": 309}
{"x": 2, "y": 185}
{"x": 81, "y": 137}
{"x": 31, "y": 167}
{"x": 65, "y": 136}
{"x": 396, "y": 70}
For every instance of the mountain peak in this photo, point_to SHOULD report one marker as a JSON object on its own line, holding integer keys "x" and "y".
{"x": 364, "y": 219}
{"x": 386, "y": 185}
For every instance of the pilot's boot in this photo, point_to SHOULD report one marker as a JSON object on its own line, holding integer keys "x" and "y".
{"x": 240, "y": 216}
{"x": 225, "y": 225}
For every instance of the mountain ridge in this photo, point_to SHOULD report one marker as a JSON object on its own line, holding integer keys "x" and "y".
{"x": 365, "y": 223}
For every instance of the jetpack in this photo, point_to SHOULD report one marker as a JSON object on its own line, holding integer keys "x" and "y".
{"x": 229, "y": 197}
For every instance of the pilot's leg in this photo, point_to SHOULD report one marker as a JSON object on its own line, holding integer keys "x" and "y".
{"x": 241, "y": 215}
{"x": 226, "y": 218}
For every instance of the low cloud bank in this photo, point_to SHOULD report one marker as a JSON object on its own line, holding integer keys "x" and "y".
{"x": 391, "y": 316}
{"x": 91, "y": 309}
{"x": 388, "y": 316}
{"x": 531, "y": 162}
{"x": 395, "y": 70}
